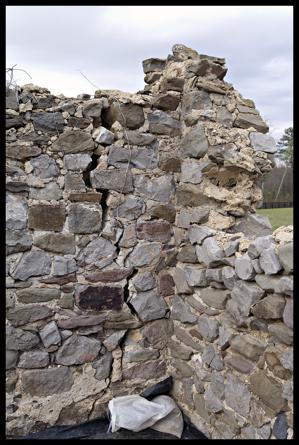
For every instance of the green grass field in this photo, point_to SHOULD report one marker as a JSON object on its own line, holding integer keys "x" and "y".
{"x": 278, "y": 217}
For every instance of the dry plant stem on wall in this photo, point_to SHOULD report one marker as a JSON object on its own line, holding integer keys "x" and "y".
{"x": 134, "y": 253}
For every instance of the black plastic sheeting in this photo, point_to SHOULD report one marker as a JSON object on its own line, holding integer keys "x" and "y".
{"x": 98, "y": 428}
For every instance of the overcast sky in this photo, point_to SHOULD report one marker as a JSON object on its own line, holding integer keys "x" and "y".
{"x": 108, "y": 44}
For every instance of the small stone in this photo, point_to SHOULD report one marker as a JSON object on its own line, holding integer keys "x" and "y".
{"x": 269, "y": 262}
{"x": 179, "y": 351}
{"x": 75, "y": 162}
{"x": 225, "y": 337}
{"x": 182, "y": 369}
{"x": 158, "y": 189}
{"x": 112, "y": 180}
{"x": 145, "y": 371}
{"x": 11, "y": 359}
{"x": 51, "y": 191}
{"x": 257, "y": 246}
{"x": 231, "y": 247}
{"x": 34, "y": 359}
{"x": 212, "y": 358}
{"x": 263, "y": 142}
{"x": 180, "y": 281}
{"x": 92, "y": 108}
{"x": 160, "y": 211}
{"x": 270, "y": 307}
{"x": 81, "y": 320}
{"x": 144, "y": 254}
{"x": 237, "y": 396}
{"x": 99, "y": 251}
{"x": 50, "y": 334}
{"x": 247, "y": 120}
{"x": 244, "y": 268}
{"x": 280, "y": 427}
{"x": 17, "y": 241}
{"x": 77, "y": 350}
{"x": 103, "y": 136}
{"x": 187, "y": 254}
{"x": 37, "y": 294}
{"x": 286, "y": 255}
{"x": 195, "y": 276}
{"x": 129, "y": 115}
{"x": 32, "y": 264}
{"x": 16, "y": 212}
{"x": 224, "y": 117}
{"x": 149, "y": 305}
{"x": 191, "y": 172}
{"x": 210, "y": 253}
{"x": 136, "y": 138}
{"x": 245, "y": 294}
{"x": 228, "y": 277}
{"x": 288, "y": 314}
{"x": 239, "y": 363}
{"x": 46, "y": 217}
{"x": 166, "y": 285}
{"x": 85, "y": 218}
{"x": 162, "y": 123}
{"x": 288, "y": 391}
{"x": 19, "y": 340}
{"x": 212, "y": 402}
{"x": 131, "y": 208}
{"x": 157, "y": 333}
{"x": 51, "y": 123}
{"x": 114, "y": 340}
{"x": 109, "y": 276}
{"x": 197, "y": 234}
{"x": 45, "y": 382}
{"x": 73, "y": 141}
{"x": 157, "y": 230}
{"x": 103, "y": 366}
{"x": 216, "y": 298}
{"x": 195, "y": 144}
{"x": 281, "y": 333}
{"x": 180, "y": 311}
{"x": 44, "y": 167}
{"x": 253, "y": 226}
{"x": 208, "y": 328}
{"x": 142, "y": 158}
{"x": 74, "y": 181}
{"x": 64, "y": 265}
{"x": 248, "y": 346}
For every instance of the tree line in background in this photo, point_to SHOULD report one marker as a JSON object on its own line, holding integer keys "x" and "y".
{"x": 278, "y": 184}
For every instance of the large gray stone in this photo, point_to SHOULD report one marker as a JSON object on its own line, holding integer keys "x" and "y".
{"x": 280, "y": 427}
{"x": 157, "y": 333}
{"x": 56, "y": 242}
{"x": 32, "y": 264}
{"x": 231, "y": 247}
{"x": 179, "y": 278}
{"x": 195, "y": 100}
{"x": 244, "y": 268}
{"x": 50, "y": 335}
{"x": 162, "y": 123}
{"x": 187, "y": 254}
{"x": 253, "y": 226}
{"x": 140, "y": 355}
{"x": 51, "y": 191}
{"x": 92, "y": 108}
{"x": 149, "y": 305}
{"x": 136, "y": 138}
{"x": 129, "y": 115}
{"x": 81, "y": 321}
{"x": 216, "y": 298}
{"x": 142, "y": 158}
{"x": 144, "y": 281}
{"x": 46, "y": 382}
{"x": 44, "y": 167}
{"x": 210, "y": 253}
{"x": 17, "y": 241}
{"x": 103, "y": 136}
{"x": 158, "y": 189}
{"x": 64, "y": 265}
{"x": 195, "y": 143}
{"x": 268, "y": 390}
{"x": 191, "y": 171}
{"x": 77, "y": 350}
{"x": 112, "y": 180}
{"x": 11, "y": 99}
{"x": 28, "y": 314}
{"x": 257, "y": 246}
{"x": 85, "y": 218}
{"x": 11, "y": 359}
{"x": 153, "y": 64}
{"x": 99, "y": 252}
{"x": 245, "y": 295}
{"x": 248, "y": 120}
{"x": 237, "y": 396}
{"x": 99, "y": 297}
{"x": 114, "y": 340}
{"x": 131, "y": 208}
{"x": 239, "y": 363}
{"x": 74, "y": 181}
{"x": 46, "y": 217}
{"x": 16, "y": 212}
{"x": 270, "y": 307}
{"x": 212, "y": 402}
{"x": 144, "y": 254}
{"x": 286, "y": 256}
{"x": 187, "y": 339}
{"x": 34, "y": 359}
{"x": 145, "y": 371}
{"x": 103, "y": 366}
{"x": 195, "y": 276}
{"x": 248, "y": 346}
{"x": 269, "y": 261}
{"x": 73, "y": 141}
{"x": 281, "y": 333}
{"x": 263, "y": 142}
{"x": 208, "y": 328}
{"x": 224, "y": 117}
{"x": 157, "y": 230}
{"x": 168, "y": 101}
{"x": 228, "y": 277}
{"x": 180, "y": 311}
{"x": 51, "y": 123}
{"x": 197, "y": 234}
{"x": 212, "y": 359}
{"x": 77, "y": 161}
{"x": 19, "y": 340}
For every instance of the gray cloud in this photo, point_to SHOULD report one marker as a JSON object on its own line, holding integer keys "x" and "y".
{"x": 108, "y": 43}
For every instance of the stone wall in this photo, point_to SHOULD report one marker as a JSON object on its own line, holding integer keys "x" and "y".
{"x": 134, "y": 253}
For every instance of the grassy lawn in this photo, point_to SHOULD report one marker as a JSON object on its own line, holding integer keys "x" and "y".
{"x": 278, "y": 217}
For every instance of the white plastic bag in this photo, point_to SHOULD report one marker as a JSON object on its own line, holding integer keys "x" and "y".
{"x": 173, "y": 423}
{"x": 135, "y": 413}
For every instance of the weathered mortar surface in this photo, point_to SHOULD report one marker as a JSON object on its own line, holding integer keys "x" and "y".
{"x": 118, "y": 276}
